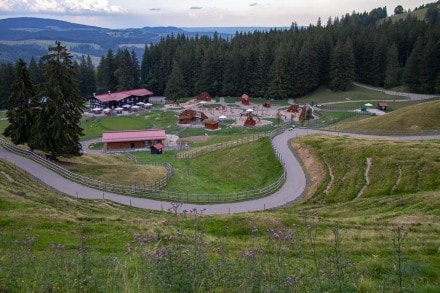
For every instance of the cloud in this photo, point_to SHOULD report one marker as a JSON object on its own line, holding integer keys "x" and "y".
{"x": 60, "y": 6}
{"x": 253, "y": 4}
{"x": 195, "y": 7}
{"x": 155, "y": 9}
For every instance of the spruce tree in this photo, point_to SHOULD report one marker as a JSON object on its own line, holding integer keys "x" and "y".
{"x": 21, "y": 106}
{"x": 393, "y": 68}
{"x": 6, "y": 80}
{"x": 343, "y": 66}
{"x": 57, "y": 129}
{"x": 175, "y": 87}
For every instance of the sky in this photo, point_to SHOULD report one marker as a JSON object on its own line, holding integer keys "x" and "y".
{"x": 193, "y": 13}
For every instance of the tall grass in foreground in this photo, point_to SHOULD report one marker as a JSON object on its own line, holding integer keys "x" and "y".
{"x": 302, "y": 257}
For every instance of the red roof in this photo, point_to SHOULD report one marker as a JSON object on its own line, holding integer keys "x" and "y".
{"x": 117, "y": 96}
{"x": 158, "y": 146}
{"x": 133, "y": 135}
{"x": 383, "y": 104}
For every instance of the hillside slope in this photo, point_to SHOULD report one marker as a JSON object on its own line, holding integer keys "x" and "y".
{"x": 423, "y": 116}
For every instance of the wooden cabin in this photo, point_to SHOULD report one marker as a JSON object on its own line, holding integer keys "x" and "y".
{"x": 204, "y": 97}
{"x": 245, "y": 99}
{"x": 383, "y": 106}
{"x": 211, "y": 124}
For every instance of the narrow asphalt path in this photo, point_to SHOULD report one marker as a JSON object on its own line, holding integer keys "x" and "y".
{"x": 291, "y": 191}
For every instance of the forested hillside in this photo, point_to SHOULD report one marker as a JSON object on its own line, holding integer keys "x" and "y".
{"x": 363, "y": 47}
{"x": 370, "y": 48}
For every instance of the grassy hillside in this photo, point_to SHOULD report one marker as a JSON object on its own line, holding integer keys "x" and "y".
{"x": 423, "y": 116}
{"x": 379, "y": 242}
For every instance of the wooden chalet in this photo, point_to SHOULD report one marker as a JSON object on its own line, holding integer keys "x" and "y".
{"x": 205, "y": 96}
{"x": 210, "y": 124}
{"x": 190, "y": 116}
{"x": 132, "y": 139}
{"x": 245, "y": 99}
{"x": 119, "y": 99}
{"x": 383, "y": 106}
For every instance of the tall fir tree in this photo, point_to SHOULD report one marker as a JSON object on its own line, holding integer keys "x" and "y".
{"x": 175, "y": 88}
{"x": 106, "y": 79}
{"x": 343, "y": 66}
{"x": 393, "y": 67}
{"x": 57, "y": 129}
{"x": 86, "y": 77}
{"x": 21, "y": 112}
{"x": 6, "y": 80}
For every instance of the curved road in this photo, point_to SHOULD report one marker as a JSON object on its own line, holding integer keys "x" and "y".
{"x": 291, "y": 191}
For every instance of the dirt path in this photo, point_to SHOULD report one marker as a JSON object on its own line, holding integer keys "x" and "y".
{"x": 399, "y": 177}
{"x": 367, "y": 178}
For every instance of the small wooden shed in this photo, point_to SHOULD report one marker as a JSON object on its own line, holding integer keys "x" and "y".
{"x": 383, "y": 106}
{"x": 156, "y": 149}
{"x": 205, "y": 96}
{"x": 267, "y": 103}
{"x": 293, "y": 108}
{"x": 245, "y": 99}
{"x": 211, "y": 124}
{"x": 250, "y": 121}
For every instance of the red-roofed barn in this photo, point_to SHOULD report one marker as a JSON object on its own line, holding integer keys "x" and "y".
{"x": 132, "y": 139}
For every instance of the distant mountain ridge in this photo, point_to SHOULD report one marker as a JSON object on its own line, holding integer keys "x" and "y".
{"x": 25, "y": 37}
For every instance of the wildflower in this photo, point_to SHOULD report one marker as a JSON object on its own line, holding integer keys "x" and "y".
{"x": 292, "y": 279}
{"x": 254, "y": 230}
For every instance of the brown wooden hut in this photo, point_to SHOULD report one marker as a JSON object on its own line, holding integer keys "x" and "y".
{"x": 211, "y": 124}
{"x": 245, "y": 99}
{"x": 383, "y": 106}
{"x": 293, "y": 108}
{"x": 204, "y": 97}
{"x": 267, "y": 103}
{"x": 250, "y": 122}
{"x": 189, "y": 116}
{"x": 156, "y": 149}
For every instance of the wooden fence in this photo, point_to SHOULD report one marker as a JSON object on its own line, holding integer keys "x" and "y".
{"x": 93, "y": 183}
{"x": 154, "y": 191}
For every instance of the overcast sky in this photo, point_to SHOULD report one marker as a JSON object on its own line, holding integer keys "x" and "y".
{"x": 193, "y": 13}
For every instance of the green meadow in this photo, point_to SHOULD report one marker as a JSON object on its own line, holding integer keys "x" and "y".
{"x": 368, "y": 222}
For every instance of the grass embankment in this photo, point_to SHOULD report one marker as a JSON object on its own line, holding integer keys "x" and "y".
{"x": 53, "y": 243}
{"x": 116, "y": 169}
{"x": 325, "y": 95}
{"x": 423, "y": 116}
{"x": 396, "y": 167}
{"x": 245, "y": 167}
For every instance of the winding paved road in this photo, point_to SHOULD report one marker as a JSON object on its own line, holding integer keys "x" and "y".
{"x": 291, "y": 191}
